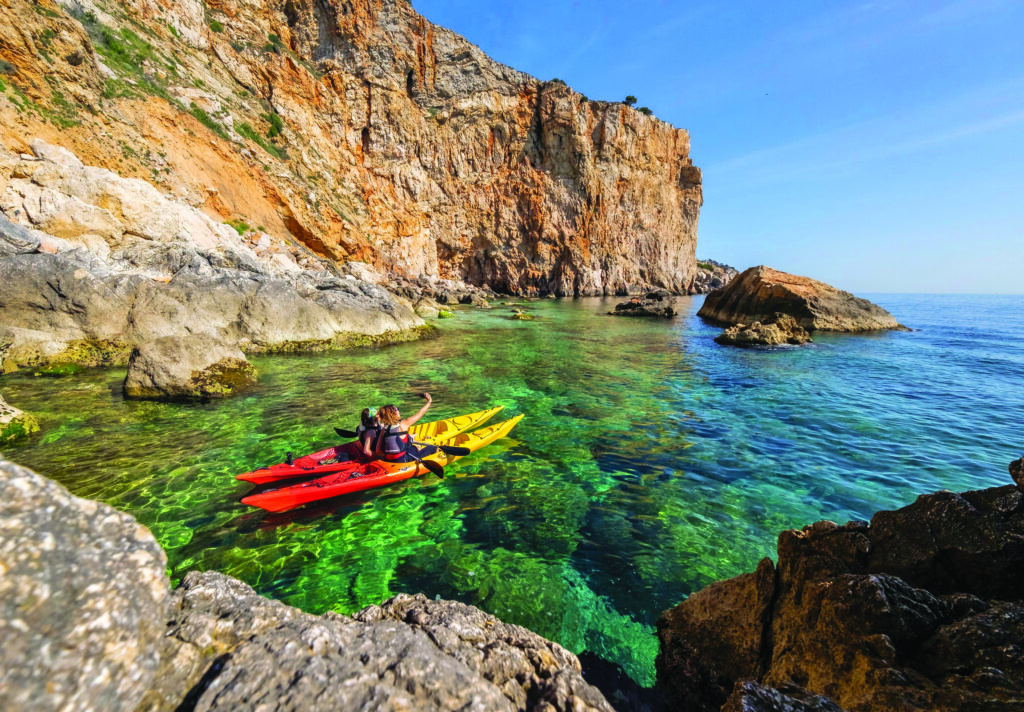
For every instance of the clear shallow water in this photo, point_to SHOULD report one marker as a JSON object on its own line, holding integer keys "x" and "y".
{"x": 651, "y": 462}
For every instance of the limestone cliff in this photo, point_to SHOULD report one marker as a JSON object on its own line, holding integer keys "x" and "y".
{"x": 362, "y": 130}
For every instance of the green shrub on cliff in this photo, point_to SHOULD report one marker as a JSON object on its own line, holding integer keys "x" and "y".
{"x": 629, "y": 100}
{"x": 241, "y": 227}
{"x": 276, "y": 124}
{"x": 645, "y": 111}
{"x": 216, "y": 26}
{"x": 207, "y": 120}
{"x": 244, "y": 129}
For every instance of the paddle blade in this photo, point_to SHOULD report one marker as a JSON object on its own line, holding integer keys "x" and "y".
{"x": 433, "y": 467}
{"x": 454, "y": 450}
{"x": 345, "y": 433}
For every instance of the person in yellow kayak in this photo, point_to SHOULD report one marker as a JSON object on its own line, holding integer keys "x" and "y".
{"x": 396, "y": 443}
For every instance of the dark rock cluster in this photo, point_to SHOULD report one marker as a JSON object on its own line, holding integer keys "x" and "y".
{"x": 922, "y": 609}
{"x": 657, "y": 304}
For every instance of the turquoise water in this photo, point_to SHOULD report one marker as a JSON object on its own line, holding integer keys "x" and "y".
{"x": 651, "y": 462}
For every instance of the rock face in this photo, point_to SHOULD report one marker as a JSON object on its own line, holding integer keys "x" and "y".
{"x": 361, "y": 130}
{"x": 760, "y": 292}
{"x": 89, "y": 622}
{"x": 778, "y": 329}
{"x": 14, "y": 423}
{"x": 922, "y": 609}
{"x": 196, "y": 367}
{"x": 657, "y": 303}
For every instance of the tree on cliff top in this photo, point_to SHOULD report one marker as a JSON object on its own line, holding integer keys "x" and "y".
{"x": 630, "y": 100}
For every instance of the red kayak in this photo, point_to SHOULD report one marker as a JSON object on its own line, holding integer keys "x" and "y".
{"x": 373, "y": 474}
{"x": 439, "y": 431}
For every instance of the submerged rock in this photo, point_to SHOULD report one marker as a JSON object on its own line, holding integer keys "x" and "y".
{"x": 658, "y": 304}
{"x": 760, "y": 292}
{"x": 14, "y": 423}
{"x": 195, "y": 367}
{"x": 778, "y": 329}
{"x": 916, "y": 610}
{"x": 89, "y": 622}
{"x": 1017, "y": 472}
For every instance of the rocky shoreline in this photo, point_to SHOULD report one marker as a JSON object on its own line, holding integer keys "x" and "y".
{"x": 922, "y": 608}
{"x": 89, "y": 621}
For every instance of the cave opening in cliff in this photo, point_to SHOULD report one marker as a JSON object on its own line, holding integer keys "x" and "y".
{"x": 410, "y": 83}
{"x": 365, "y": 137}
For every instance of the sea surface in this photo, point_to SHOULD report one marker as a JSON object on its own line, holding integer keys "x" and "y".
{"x": 651, "y": 461}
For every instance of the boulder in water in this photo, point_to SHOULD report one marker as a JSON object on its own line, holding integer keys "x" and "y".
{"x": 777, "y": 330}
{"x": 760, "y": 292}
{"x": 194, "y": 367}
{"x": 1017, "y": 472}
{"x": 657, "y": 304}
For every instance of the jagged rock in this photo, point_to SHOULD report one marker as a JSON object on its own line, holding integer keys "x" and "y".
{"x": 88, "y": 622}
{"x": 657, "y": 303}
{"x": 14, "y": 423}
{"x": 83, "y": 597}
{"x": 711, "y": 275}
{"x": 1017, "y": 472}
{"x": 778, "y": 329}
{"x": 915, "y": 610}
{"x": 760, "y": 292}
{"x": 715, "y": 639}
{"x": 749, "y": 696}
{"x": 531, "y": 672}
{"x": 196, "y": 366}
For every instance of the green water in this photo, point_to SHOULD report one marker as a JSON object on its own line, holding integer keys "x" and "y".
{"x": 651, "y": 462}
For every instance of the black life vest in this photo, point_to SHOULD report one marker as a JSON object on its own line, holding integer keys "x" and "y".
{"x": 396, "y": 442}
{"x": 374, "y": 432}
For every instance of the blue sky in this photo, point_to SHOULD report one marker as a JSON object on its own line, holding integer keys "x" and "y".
{"x": 878, "y": 146}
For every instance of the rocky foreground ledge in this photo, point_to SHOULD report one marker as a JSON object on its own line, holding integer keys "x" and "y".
{"x": 89, "y": 622}
{"x": 920, "y": 609}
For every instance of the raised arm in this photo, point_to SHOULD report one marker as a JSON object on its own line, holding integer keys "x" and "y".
{"x": 409, "y": 422}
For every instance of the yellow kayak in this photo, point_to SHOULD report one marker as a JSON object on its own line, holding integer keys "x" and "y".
{"x": 374, "y": 474}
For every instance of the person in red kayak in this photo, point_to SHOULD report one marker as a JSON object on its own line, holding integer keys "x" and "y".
{"x": 396, "y": 443}
{"x": 366, "y": 436}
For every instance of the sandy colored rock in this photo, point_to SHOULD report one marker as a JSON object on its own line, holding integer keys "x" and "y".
{"x": 759, "y": 292}
{"x": 193, "y": 367}
{"x": 777, "y": 330}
